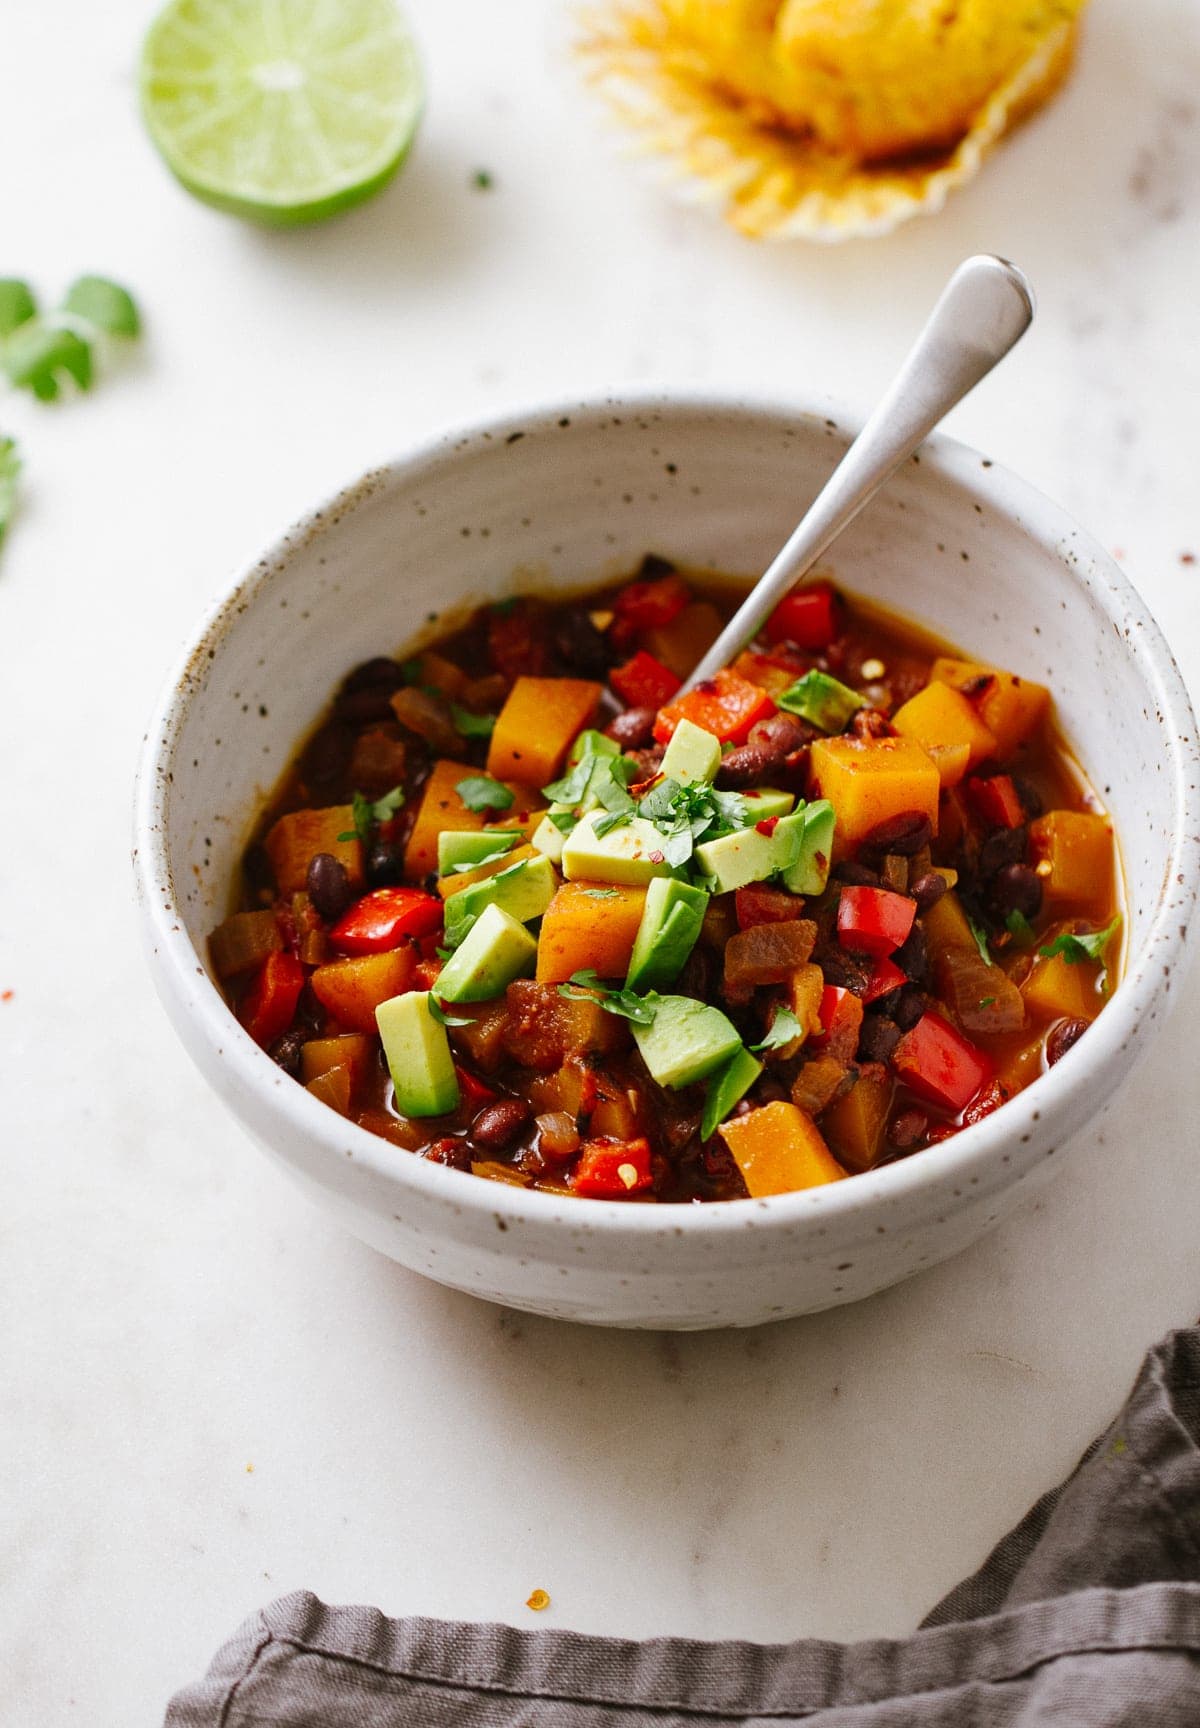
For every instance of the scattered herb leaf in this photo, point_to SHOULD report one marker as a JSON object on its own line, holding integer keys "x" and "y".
{"x": 626, "y": 1004}
{"x": 784, "y": 1028}
{"x": 601, "y": 893}
{"x": 411, "y": 670}
{"x": 368, "y": 812}
{"x": 483, "y": 180}
{"x": 605, "y": 824}
{"x": 36, "y": 355}
{"x": 472, "y": 725}
{"x": 10, "y": 468}
{"x": 981, "y": 941}
{"x": 563, "y": 820}
{"x": 437, "y": 1009}
{"x": 480, "y": 792}
{"x": 1019, "y": 927}
{"x": 1075, "y": 949}
{"x": 17, "y": 304}
{"x": 987, "y": 1001}
{"x": 104, "y": 304}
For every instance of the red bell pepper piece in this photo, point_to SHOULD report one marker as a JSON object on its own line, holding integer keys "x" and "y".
{"x": 886, "y": 977}
{"x": 809, "y": 618}
{"x": 760, "y": 905}
{"x": 613, "y": 1169}
{"x": 268, "y": 1007}
{"x": 644, "y": 682}
{"x": 649, "y": 605}
{"x": 832, "y": 998}
{"x": 381, "y": 920}
{"x": 727, "y": 706}
{"x": 475, "y": 1094}
{"x": 874, "y": 920}
{"x": 426, "y": 973}
{"x": 995, "y": 801}
{"x": 939, "y": 1064}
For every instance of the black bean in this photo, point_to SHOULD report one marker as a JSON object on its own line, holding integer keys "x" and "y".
{"x": 499, "y": 1124}
{"x": 1063, "y": 1036}
{"x": 878, "y": 1038}
{"x": 328, "y": 753}
{"x": 328, "y": 886}
{"x": 653, "y": 565}
{"x": 580, "y": 645}
{"x": 1031, "y": 798}
{"x": 286, "y": 1051}
{"x": 912, "y": 956}
{"x": 745, "y": 766}
{"x": 768, "y": 1090}
{"x": 1003, "y": 846}
{"x": 909, "y": 1127}
{"x": 904, "y": 834}
{"x": 633, "y": 730}
{"x": 910, "y": 1005}
{"x": 927, "y": 890}
{"x": 385, "y": 864}
{"x": 360, "y": 707}
{"x": 373, "y": 675}
{"x": 1018, "y": 888}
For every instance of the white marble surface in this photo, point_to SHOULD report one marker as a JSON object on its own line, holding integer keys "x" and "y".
{"x": 207, "y": 1397}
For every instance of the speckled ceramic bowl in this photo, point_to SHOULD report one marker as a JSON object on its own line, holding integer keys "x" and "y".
{"x": 561, "y": 498}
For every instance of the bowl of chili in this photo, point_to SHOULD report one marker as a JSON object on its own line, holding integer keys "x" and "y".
{"x": 485, "y": 616}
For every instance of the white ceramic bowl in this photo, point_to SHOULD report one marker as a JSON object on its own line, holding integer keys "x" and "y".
{"x": 558, "y": 499}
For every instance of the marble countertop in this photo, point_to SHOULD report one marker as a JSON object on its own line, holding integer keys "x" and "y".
{"x": 208, "y": 1395}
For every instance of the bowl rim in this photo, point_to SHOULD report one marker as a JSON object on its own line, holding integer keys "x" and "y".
{"x": 182, "y": 978}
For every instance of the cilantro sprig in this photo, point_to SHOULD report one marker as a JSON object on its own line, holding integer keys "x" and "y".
{"x": 1075, "y": 949}
{"x": 687, "y": 813}
{"x": 10, "y": 468}
{"x": 368, "y": 813}
{"x": 480, "y": 792}
{"x": 471, "y": 725}
{"x": 626, "y": 1004}
{"x": 38, "y": 350}
{"x": 981, "y": 941}
{"x": 438, "y": 1010}
{"x": 784, "y": 1028}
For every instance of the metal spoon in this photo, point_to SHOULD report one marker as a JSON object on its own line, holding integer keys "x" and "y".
{"x": 985, "y": 309}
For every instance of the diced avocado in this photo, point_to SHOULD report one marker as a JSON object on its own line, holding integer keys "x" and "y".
{"x": 735, "y": 860}
{"x": 630, "y": 854}
{"x": 693, "y": 754}
{"x": 821, "y": 700}
{"x": 763, "y": 802}
{"x": 806, "y": 871}
{"x": 727, "y": 1088}
{"x": 671, "y": 920}
{"x": 591, "y": 743}
{"x": 461, "y": 848}
{"x": 418, "y": 1055}
{"x": 524, "y": 891}
{"x": 548, "y": 837}
{"x": 686, "y": 1041}
{"x": 496, "y": 951}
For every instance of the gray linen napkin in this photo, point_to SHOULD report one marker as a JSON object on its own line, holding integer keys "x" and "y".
{"x": 1087, "y": 1615}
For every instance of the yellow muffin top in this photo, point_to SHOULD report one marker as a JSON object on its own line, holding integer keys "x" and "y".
{"x": 871, "y": 78}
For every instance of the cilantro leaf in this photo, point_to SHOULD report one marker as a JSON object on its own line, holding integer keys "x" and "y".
{"x": 471, "y": 725}
{"x": 104, "y": 304}
{"x": 10, "y": 467}
{"x": 368, "y": 813}
{"x": 626, "y": 1004}
{"x": 687, "y": 813}
{"x": 36, "y": 355}
{"x": 480, "y": 792}
{"x": 386, "y": 807}
{"x": 478, "y": 863}
{"x": 981, "y": 941}
{"x": 1018, "y": 926}
{"x": 784, "y": 1028}
{"x": 605, "y": 824}
{"x": 17, "y": 304}
{"x": 987, "y": 1001}
{"x": 439, "y": 1013}
{"x": 601, "y": 893}
{"x": 1075, "y": 949}
{"x": 563, "y": 820}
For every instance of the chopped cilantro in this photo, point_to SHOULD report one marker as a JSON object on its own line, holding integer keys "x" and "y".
{"x": 10, "y": 467}
{"x": 368, "y": 813}
{"x": 38, "y": 350}
{"x": 103, "y": 304}
{"x": 601, "y": 893}
{"x": 987, "y": 1001}
{"x": 687, "y": 814}
{"x": 563, "y": 820}
{"x": 443, "y": 1019}
{"x": 626, "y": 1004}
{"x": 784, "y": 1028}
{"x": 981, "y": 941}
{"x": 1019, "y": 927}
{"x": 1074, "y": 949}
{"x": 472, "y": 725}
{"x": 483, "y": 180}
{"x": 605, "y": 824}
{"x": 17, "y": 304}
{"x": 480, "y": 792}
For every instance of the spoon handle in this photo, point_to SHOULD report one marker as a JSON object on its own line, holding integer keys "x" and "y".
{"x": 984, "y": 310}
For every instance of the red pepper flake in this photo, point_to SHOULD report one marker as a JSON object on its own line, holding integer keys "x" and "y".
{"x": 767, "y": 826}
{"x": 7, "y": 995}
{"x": 1187, "y": 557}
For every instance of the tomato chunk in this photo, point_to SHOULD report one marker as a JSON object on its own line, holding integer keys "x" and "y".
{"x": 381, "y": 920}
{"x": 939, "y": 1064}
{"x": 996, "y": 801}
{"x": 644, "y": 682}
{"x": 651, "y": 604}
{"x": 613, "y": 1169}
{"x": 886, "y": 977}
{"x": 874, "y": 920}
{"x": 270, "y": 1003}
{"x": 809, "y": 618}
{"x": 727, "y": 706}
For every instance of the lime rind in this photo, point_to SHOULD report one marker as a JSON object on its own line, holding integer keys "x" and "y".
{"x": 284, "y": 111}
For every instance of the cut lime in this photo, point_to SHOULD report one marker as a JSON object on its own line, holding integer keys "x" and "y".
{"x": 281, "y": 110}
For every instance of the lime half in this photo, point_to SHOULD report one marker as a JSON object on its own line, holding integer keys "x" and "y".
{"x": 281, "y": 110}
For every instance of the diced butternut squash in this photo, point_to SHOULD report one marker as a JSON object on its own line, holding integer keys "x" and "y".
{"x": 482, "y": 1037}
{"x": 352, "y": 1051}
{"x": 940, "y": 714}
{"x": 870, "y": 780}
{"x": 1074, "y": 850}
{"x": 805, "y": 989}
{"x": 1010, "y": 707}
{"x": 950, "y": 760}
{"x": 441, "y": 807}
{"x": 332, "y": 1087}
{"x": 1057, "y": 987}
{"x": 537, "y": 726}
{"x": 352, "y": 989}
{"x": 607, "y": 1110}
{"x": 778, "y": 1149}
{"x": 297, "y": 838}
{"x": 686, "y": 639}
{"x": 447, "y": 885}
{"x": 760, "y": 669}
{"x": 854, "y": 1124}
{"x": 589, "y": 926}
{"x": 946, "y": 927}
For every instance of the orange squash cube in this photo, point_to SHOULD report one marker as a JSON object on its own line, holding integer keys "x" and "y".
{"x": 441, "y": 807}
{"x": 778, "y": 1149}
{"x": 353, "y": 989}
{"x": 351, "y": 1051}
{"x": 1074, "y": 850}
{"x": 333, "y": 1087}
{"x": 297, "y": 838}
{"x": 1056, "y": 987}
{"x": 855, "y": 1123}
{"x": 870, "y": 780}
{"x": 537, "y": 726}
{"x": 1010, "y": 707}
{"x": 950, "y": 760}
{"x": 940, "y": 715}
{"x": 589, "y": 926}
{"x": 760, "y": 669}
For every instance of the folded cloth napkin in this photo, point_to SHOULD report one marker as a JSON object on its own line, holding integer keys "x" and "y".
{"x": 1087, "y": 1615}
